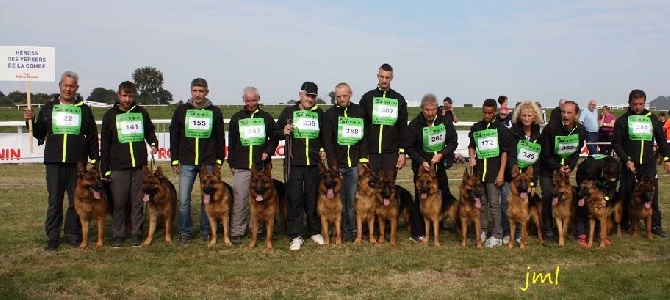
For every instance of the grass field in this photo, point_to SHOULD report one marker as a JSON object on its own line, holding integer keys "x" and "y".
{"x": 627, "y": 269}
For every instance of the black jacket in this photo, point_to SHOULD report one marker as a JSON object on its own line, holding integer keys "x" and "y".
{"x": 489, "y": 168}
{"x": 347, "y": 156}
{"x": 518, "y": 135}
{"x": 391, "y": 136}
{"x": 549, "y": 160}
{"x": 241, "y": 156}
{"x": 64, "y": 147}
{"x": 119, "y": 156}
{"x": 414, "y": 139}
{"x": 641, "y": 152}
{"x": 303, "y": 151}
{"x": 196, "y": 150}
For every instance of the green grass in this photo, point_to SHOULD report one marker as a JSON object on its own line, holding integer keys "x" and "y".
{"x": 627, "y": 269}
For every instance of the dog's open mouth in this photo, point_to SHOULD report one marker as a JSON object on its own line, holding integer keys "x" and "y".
{"x": 523, "y": 195}
{"x": 259, "y": 198}
{"x": 96, "y": 194}
{"x": 387, "y": 201}
{"x": 330, "y": 194}
{"x": 647, "y": 205}
{"x": 207, "y": 193}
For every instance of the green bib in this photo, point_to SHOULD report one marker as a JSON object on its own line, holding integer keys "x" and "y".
{"x": 640, "y": 128}
{"x": 349, "y": 130}
{"x": 433, "y": 138}
{"x": 565, "y": 146}
{"x": 66, "y": 119}
{"x": 527, "y": 153}
{"x": 198, "y": 123}
{"x": 306, "y": 124}
{"x": 252, "y": 131}
{"x": 598, "y": 156}
{"x": 130, "y": 127}
{"x": 487, "y": 143}
{"x": 384, "y": 111}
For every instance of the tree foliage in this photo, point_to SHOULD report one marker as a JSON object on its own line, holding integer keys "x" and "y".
{"x": 331, "y": 95}
{"x": 102, "y": 95}
{"x": 149, "y": 82}
{"x": 320, "y": 101}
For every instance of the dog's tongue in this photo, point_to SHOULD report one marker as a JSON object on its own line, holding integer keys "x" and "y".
{"x": 387, "y": 201}
{"x": 96, "y": 194}
{"x": 524, "y": 195}
{"x": 259, "y": 198}
{"x": 478, "y": 203}
{"x": 554, "y": 201}
{"x": 146, "y": 198}
{"x": 205, "y": 199}
{"x": 424, "y": 195}
{"x": 647, "y": 205}
{"x": 330, "y": 194}
{"x": 580, "y": 202}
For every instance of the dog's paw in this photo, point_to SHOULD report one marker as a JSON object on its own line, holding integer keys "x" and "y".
{"x": 211, "y": 245}
{"x": 82, "y": 247}
{"x": 145, "y": 245}
{"x": 98, "y": 246}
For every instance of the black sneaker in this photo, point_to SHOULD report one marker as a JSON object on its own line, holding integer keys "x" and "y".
{"x": 261, "y": 235}
{"x": 52, "y": 245}
{"x": 74, "y": 241}
{"x": 236, "y": 239}
{"x": 184, "y": 240}
{"x": 658, "y": 231}
{"x": 136, "y": 240}
{"x": 117, "y": 242}
{"x": 206, "y": 237}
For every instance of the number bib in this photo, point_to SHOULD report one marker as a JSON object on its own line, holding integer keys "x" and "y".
{"x": 349, "y": 130}
{"x": 384, "y": 111}
{"x": 130, "y": 127}
{"x": 199, "y": 123}
{"x": 527, "y": 153}
{"x": 565, "y": 146}
{"x": 487, "y": 143}
{"x": 598, "y": 156}
{"x": 306, "y": 124}
{"x": 66, "y": 119}
{"x": 433, "y": 138}
{"x": 640, "y": 128}
{"x": 252, "y": 131}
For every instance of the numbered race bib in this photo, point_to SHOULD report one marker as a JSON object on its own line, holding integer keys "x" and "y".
{"x": 527, "y": 153}
{"x": 198, "y": 123}
{"x": 349, "y": 130}
{"x": 252, "y": 131}
{"x": 306, "y": 124}
{"x": 565, "y": 146}
{"x": 487, "y": 143}
{"x": 66, "y": 119}
{"x": 384, "y": 111}
{"x": 640, "y": 128}
{"x": 130, "y": 127}
{"x": 433, "y": 138}
{"x": 598, "y": 156}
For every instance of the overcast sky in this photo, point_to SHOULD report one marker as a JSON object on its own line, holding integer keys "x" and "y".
{"x": 469, "y": 50}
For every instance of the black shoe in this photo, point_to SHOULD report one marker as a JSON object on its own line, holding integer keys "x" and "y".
{"x": 261, "y": 235}
{"x": 236, "y": 239}
{"x": 387, "y": 236}
{"x": 658, "y": 231}
{"x": 117, "y": 242}
{"x": 206, "y": 237}
{"x": 52, "y": 245}
{"x": 184, "y": 240}
{"x": 74, "y": 241}
{"x": 549, "y": 239}
{"x": 136, "y": 240}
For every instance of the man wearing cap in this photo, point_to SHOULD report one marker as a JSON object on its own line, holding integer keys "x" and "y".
{"x": 301, "y": 126}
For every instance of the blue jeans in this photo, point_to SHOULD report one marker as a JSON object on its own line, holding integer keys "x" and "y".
{"x": 349, "y": 186}
{"x": 592, "y": 137}
{"x": 184, "y": 223}
{"x": 504, "y": 194}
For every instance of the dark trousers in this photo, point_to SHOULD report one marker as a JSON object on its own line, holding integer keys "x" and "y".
{"x": 126, "y": 186}
{"x": 301, "y": 192}
{"x": 546, "y": 183}
{"x": 592, "y": 137}
{"x": 61, "y": 178}
{"x": 627, "y": 186}
{"x": 605, "y": 149}
{"x": 415, "y": 216}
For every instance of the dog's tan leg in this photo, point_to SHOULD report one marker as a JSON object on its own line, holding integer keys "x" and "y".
{"x": 338, "y": 229}
{"x": 394, "y": 229}
{"x": 650, "y": 236}
{"x": 426, "y": 237}
{"x": 592, "y": 232}
{"x": 618, "y": 214}
{"x": 561, "y": 234}
{"x": 324, "y": 231}
{"x": 524, "y": 235}
{"x": 84, "y": 233}
{"x": 371, "y": 228}
{"x": 478, "y": 229}
{"x": 382, "y": 224}
{"x": 603, "y": 233}
{"x": 512, "y": 229}
{"x": 436, "y": 232}
{"x": 269, "y": 231}
{"x": 635, "y": 224}
{"x": 225, "y": 219}
{"x": 538, "y": 225}
{"x": 212, "y": 226}
{"x": 254, "y": 232}
{"x": 153, "y": 219}
{"x": 168, "y": 228}
{"x": 101, "y": 228}
{"x": 359, "y": 229}
{"x": 464, "y": 231}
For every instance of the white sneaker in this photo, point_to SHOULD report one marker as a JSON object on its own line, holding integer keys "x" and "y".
{"x": 296, "y": 243}
{"x": 493, "y": 242}
{"x": 505, "y": 240}
{"x": 518, "y": 240}
{"x": 318, "y": 238}
{"x": 483, "y": 236}
{"x": 416, "y": 239}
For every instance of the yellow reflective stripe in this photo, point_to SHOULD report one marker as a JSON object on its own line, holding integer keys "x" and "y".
{"x": 307, "y": 150}
{"x": 64, "y": 146}
{"x": 197, "y": 151}
{"x": 348, "y": 156}
{"x": 251, "y": 147}
{"x": 381, "y": 129}
{"x": 132, "y": 155}
{"x": 175, "y": 163}
{"x": 641, "y": 150}
{"x": 484, "y": 173}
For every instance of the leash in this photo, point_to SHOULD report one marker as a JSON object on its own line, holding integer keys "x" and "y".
{"x": 153, "y": 162}
{"x": 288, "y": 153}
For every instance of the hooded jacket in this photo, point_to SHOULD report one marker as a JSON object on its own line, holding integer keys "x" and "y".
{"x": 70, "y": 145}
{"x": 385, "y": 138}
{"x": 414, "y": 142}
{"x": 197, "y": 148}
{"x": 241, "y": 156}
{"x": 639, "y": 151}
{"x": 347, "y": 155}
{"x": 303, "y": 151}
{"x": 129, "y": 153}
{"x": 550, "y": 160}
{"x": 489, "y": 167}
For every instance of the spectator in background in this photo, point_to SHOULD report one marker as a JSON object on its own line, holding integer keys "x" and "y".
{"x": 606, "y": 129}
{"x": 589, "y": 118}
{"x": 450, "y": 115}
{"x": 666, "y": 128}
{"x": 504, "y": 116}
{"x": 555, "y": 116}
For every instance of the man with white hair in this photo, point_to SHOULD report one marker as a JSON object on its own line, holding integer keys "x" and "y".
{"x": 589, "y": 118}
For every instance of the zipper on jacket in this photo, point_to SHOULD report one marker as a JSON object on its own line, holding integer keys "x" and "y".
{"x": 251, "y": 147}
{"x": 381, "y": 129}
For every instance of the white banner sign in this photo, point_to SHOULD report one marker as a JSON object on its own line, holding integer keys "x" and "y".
{"x": 27, "y": 63}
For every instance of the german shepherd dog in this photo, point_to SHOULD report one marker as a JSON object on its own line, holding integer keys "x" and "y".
{"x": 386, "y": 205}
{"x": 90, "y": 202}
{"x": 406, "y": 201}
{"x": 264, "y": 204}
{"x": 519, "y": 208}
{"x": 218, "y": 199}
{"x": 593, "y": 197}
{"x": 365, "y": 202}
{"x": 470, "y": 206}
{"x": 640, "y": 205}
{"x": 161, "y": 198}
{"x": 561, "y": 201}
{"x": 430, "y": 197}
{"x": 606, "y": 173}
{"x": 329, "y": 202}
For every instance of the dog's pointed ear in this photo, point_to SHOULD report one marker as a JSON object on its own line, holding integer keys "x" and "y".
{"x": 322, "y": 167}
{"x": 268, "y": 169}
{"x": 217, "y": 171}
{"x": 381, "y": 173}
{"x": 203, "y": 170}
{"x": 159, "y": 172}
{"x": 515, "y": 170}
{"x": 81, "y": 169}
{"x": 146, "y": 170}
{"x": 529, "y": 171}
{"x": 334, "y": 166}
{"x": 466, "y": 175}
